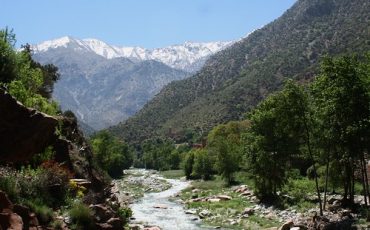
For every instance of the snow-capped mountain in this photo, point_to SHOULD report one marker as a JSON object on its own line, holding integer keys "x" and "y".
{"x": 185, "y": 56}
{"x": 104, "y": 84}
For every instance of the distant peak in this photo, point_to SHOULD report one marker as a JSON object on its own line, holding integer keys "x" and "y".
{"x": 178, "y": 56}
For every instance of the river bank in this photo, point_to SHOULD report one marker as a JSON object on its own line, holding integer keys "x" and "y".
{"x": 154, "y": 201}
{"x": 164, "y": 203}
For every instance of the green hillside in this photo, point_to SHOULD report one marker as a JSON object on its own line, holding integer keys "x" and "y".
{"x": 234, "y": 80}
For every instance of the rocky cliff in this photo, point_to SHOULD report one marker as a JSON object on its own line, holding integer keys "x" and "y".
{"x": 25, "y": 133}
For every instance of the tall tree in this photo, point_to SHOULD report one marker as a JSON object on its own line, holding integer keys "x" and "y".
{"x": 341, "y": 99}
{"x": 224, "y": 144}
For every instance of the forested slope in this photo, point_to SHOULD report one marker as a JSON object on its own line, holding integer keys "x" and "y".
{"x": 234, "y": 80}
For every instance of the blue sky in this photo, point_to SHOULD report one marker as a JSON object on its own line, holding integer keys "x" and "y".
{"x": 146, "y": 23}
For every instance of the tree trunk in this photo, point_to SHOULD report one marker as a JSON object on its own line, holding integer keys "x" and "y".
{"x": 366, "y": 177}
{"x": 326, "y": 178}
{"x": 364, "y": 180}
{"x": 308, "y": 143}
{"x": 352, "y": 196}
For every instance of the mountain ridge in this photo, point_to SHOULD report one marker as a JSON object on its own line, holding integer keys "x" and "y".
{"x": 235, "y": 79}
{"x": 180, "y": 56}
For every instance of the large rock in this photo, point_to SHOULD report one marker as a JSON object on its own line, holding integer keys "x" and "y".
{"x": 5, "y": 203}
{"x": 287, "y": 225}
{"x": 24, "y": 132}
{"x": 102, "y": 213}
{"x": 15, "y": 222}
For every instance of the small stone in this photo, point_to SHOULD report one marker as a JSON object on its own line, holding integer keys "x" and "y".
{"x": 195, "y": 190}
{"x": 224, "y": 197}
{"x": 248, "y": 211}
{"x": 204, "y": 213}
{"x": 191, "y": 212}
{"x": 160, "y": 206}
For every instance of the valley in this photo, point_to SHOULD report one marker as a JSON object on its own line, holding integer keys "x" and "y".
{"x": 269, "y": 131}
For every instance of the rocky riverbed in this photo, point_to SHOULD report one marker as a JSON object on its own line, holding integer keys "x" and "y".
{"x": 156, "y": 204}
{"x": 152, "y": 200}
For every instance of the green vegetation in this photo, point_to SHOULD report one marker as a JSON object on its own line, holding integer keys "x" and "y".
{"x": 298, "y": 142}
{"x": 111, "y": 155}
{"x": 159, "y": 154}
{"x": 81, "y": 217}
{"x": 28, "y": 81}
{"x": 235, "y": 80}
{"x": 223, "y": 213}
{"x": 173, "y": 174}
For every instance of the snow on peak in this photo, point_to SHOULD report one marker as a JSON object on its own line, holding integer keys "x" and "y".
{"x": 53, "y": 44}
{"x": 176, "y": 56}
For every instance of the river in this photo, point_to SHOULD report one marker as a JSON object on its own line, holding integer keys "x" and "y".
{"x": 171, "y": 215}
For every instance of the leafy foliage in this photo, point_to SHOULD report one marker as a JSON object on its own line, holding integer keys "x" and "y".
{"x": 111, "y": 155}
{"x": 28, "y": 81}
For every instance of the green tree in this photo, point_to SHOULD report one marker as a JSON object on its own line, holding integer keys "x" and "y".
{"x": 202, "y": 166}
{"x": 341, "y": 98}
{"x": 24, "y": 78}
{"x": 8, "y": 62}
{"x": 188, "y": 164}
{"x": 110, "y": 154}
{"x": 274, "y": 138}
{"x": 224, "y": 144}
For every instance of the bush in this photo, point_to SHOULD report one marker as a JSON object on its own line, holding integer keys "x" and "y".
{"x": 57, "y": 225}
{"x": 8, "y": 183}
{"x": 81, "y": 217}
{"x": 44, "y": 213}
{"x": 124, "y": 214}
{"x": 48, "y": 183}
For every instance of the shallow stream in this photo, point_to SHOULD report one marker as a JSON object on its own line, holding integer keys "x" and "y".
{"x": 170, "y": 214}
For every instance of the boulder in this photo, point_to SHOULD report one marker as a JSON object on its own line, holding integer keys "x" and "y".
{"x": 116, "y": 223}
{"x": 24, "y": 213}
{"x": 5, "y": 203}
{"x": 104, "y": 226}
{"x": 82, "y": 182}
{"x": 15, "y": 222}
{"x": 287, "y": 225}
{"x": 25, "y": 132}
{"x": 102, "y": 212}
{"x": 33, "y": 221}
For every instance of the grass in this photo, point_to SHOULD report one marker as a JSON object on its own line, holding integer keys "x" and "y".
{"x": 81, "y": 216}
{"x": 173, "y": 174}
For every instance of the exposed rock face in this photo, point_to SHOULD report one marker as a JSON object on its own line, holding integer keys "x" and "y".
{"x": 24, "y": 132}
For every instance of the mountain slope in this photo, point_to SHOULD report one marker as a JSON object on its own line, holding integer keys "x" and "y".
{"x": 104, "y": 84}
{"x": 185, "y": 56}
{"x": 102, "y": 92}
{"x": 234, "y": 80}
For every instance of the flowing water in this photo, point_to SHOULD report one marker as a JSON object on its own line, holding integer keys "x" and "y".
{"x": 171, "y": 216}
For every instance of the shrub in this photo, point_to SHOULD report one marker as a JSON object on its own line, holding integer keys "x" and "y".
{"x": 57, "y": 225}
{"x": 8, "y": 183}
{"x": 81, "y": 216}
{"x": 124, "y": 214}
{"x": 43, "y": 212}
